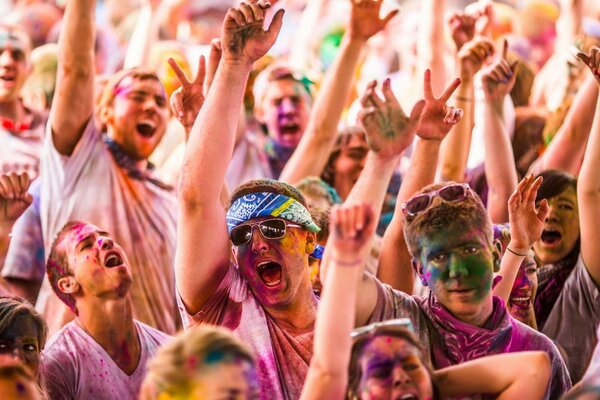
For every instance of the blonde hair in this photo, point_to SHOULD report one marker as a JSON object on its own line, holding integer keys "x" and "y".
{"x": 171, "y": 372}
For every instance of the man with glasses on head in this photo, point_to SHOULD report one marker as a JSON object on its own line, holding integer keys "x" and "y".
{"x": 102, "y": 175}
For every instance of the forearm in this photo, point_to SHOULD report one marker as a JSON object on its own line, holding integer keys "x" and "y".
{"x": 499, "y": 164}
{"x": 456, "y": 146}
{"x": 210, "y": 145}
{"x": 144, "y": 36}
{"x": 588, "y": 183}
{"x": 395, "y": 267}
{"x": 303, "y": 44}
{"x": 509, "y": 268}
{"x": 312, "y": 153}
{"x": 431, "y": 42}
{"x": 73, "y": 99}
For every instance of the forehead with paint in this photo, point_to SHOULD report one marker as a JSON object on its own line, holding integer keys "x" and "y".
{"x": 12, "y": 38}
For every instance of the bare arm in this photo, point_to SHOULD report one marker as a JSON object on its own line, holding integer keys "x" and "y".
{"x": 431, "y": 42}
{"x": 566, "y": 150}
{"x": 455, "y": 149}
{"x": 395, "y": 267}
{"x": 500, "y": 169}
{"x": 72, "y": 105}
{"x": 526, "y": 226}
{"x": 313, "y": 150}
{"x": 352, "y": 228}
{"x": 588, "y": 186}
{"x": 202, "y": 260}
{"x": 523, "y": 375}
{"x": 145, "y": 34}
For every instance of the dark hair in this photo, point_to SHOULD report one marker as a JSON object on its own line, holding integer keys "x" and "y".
{"x": 269, "y": 186}
{"x": 13, "y": 307}
{"x": 528, "y": 139}
{"x": 359, "y": 344}
{"x": 57, "y": 266}
{"x": 555, "y": 182}
{"x": 469, "y": 212}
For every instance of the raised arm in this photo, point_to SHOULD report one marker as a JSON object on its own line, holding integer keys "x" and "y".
{"x": 395, "y": 267}
{"x": 188, "y": 99}
{"x": 202, "y": 257}
{"x": 313, "y": 150}
{"x": 352, "y": 228}
{"x": 588, "y": 185}
{"x": 526, "y": 226}
{"x": 566, "y": 149}
{"x": 145, "y": 34}
{"x": 523, "y": 375}
{"x": 72, "y": 105}
{"x": 431, "y": 41}
{"x": 14, "y": 200}
{"x": 455, "y": 149}
{"x": 500, "y": 169}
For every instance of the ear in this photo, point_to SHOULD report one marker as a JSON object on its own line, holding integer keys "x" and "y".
{"x": 311, "y": 241}
{"x": 105, "y": 114}
{"x": 68, "y": 285}
{"x": 418, "y": 267}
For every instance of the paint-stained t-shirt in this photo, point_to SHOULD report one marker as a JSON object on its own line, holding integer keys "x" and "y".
{"x": 282, "y": 355}
{"x": 20, "y": 150}
{"x": 75, "y": 366}
{"x": 91, "y": 185}
{"x": 592, "y": 374}
{"x": 574, "y": 319}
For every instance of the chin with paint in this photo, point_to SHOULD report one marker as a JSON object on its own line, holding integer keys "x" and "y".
{"x": 204, "y": 362}
{"x": 104, "y": 350}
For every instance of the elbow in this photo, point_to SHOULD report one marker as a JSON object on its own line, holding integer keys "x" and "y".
{"x": 452, "y": 172}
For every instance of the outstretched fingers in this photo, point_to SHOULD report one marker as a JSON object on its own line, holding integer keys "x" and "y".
{"x": 450, "y": 90}
{"x": 276, "y": 25}
{"x": 178, "y": 71}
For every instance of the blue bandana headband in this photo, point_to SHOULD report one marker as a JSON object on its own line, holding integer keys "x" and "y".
{"x": 265, "y": 204}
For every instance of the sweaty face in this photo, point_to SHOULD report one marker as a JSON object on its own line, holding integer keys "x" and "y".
{"x": 522, "y": 296}
{"x": 275, "y": 269}
{"x": 99, "y": 265}
{"x": 230, "y": 379}
{"x": 349, "y": 164}
{"x": 561, "y": 229}
{"x": 284, "y": 110}
{"x": 457, "y": 265}
{"x": 20, "y": 339}
{"x": 391, "y": 368}
{"x": 13, "y": 66}
{"x": 138, "y": 116}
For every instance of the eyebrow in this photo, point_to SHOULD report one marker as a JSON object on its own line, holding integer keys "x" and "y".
{"x": 566, "y": 200}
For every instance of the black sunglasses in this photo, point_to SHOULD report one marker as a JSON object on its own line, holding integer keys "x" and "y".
{"x": 269, "y": 228}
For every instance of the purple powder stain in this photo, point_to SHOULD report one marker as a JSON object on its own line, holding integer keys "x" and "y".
{"x": 20, "y": 388}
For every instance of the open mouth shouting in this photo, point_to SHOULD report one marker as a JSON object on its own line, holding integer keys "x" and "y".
{"x": 523, "y": 302}
{"x": 146, "y": 128}
{"x": 113, "y": 259}
{"x": 551, "y": 237}
{"x": 7, "y": 78}
{"x": 270, "y": 273}
{"x": 408, "y": 396}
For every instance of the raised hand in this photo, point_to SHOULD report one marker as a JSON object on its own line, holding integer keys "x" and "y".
{"x": 243, "y": 39}
{"x": 462, "y": 28}
{"x": 592, "y": 60}
{"x": 526, "y": 223}
{"x": 472, "y": 56}
{"x": 437, "y": 118}
{"x": 499, "y": 78}
{"x": 364, "y": 18}
{"x": 214, "y": 58}
{"x": 14, "y": 198}
{"x": 188, "y": 99}
{"x": 389, "y": 131}
{"x": 352, "y": 227}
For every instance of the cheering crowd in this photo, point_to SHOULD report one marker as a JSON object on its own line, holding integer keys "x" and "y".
{"x": 299, "y": 199}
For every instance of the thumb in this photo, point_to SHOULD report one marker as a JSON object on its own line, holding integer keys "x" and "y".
{"x": 417, "y": 110}
{"x": 389, "y": 17}
{"x": 275, "y": 26}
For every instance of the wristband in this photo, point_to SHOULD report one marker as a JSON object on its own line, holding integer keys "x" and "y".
{"x": 515, "y": 253}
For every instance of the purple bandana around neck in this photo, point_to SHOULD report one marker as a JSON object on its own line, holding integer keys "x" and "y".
{"x": 457, "y": 341}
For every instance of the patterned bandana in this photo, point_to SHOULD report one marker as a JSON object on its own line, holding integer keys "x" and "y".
{"x": 265, "y": 204}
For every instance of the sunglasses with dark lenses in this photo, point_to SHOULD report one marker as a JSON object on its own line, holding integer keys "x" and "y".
{"x": 451, "y": 193}
{"x": 269, "y": 228}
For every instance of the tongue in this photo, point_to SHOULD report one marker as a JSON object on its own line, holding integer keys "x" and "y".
{"x": 271, "y": 273}
{"x": 550, "y": 237}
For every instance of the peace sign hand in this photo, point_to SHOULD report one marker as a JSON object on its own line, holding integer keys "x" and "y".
{"x": 592, "y": 60}
{"x": 499, "y": 78}
{"x": 436, "y": 117}
{"x": 389, "y": 131}
{"x": 188, "y": 99}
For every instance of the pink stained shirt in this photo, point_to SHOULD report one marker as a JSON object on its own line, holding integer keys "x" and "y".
{"x": 75, "y": 366}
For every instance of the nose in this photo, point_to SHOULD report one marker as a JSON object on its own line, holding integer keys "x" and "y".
{"x": 287, "y": 106}
{"x": 400, "y": 376}
{"x": 259, "y": 243}
{"x": 106, "y": 243}
{"x": 17, "y": 352}
{"x": 6, "y": 57}
{"x": 552, "y": 217}
{"x": 457, "y": 268}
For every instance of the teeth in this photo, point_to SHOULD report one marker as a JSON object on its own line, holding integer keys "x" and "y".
{"x": 521, "y": 298}
{"x": 273, "y": 283}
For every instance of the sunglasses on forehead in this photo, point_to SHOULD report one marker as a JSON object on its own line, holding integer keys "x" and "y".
{"x": 270, "y": 229}
{"x": 450, "y": 193}
{"x": 398, "y": 322}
